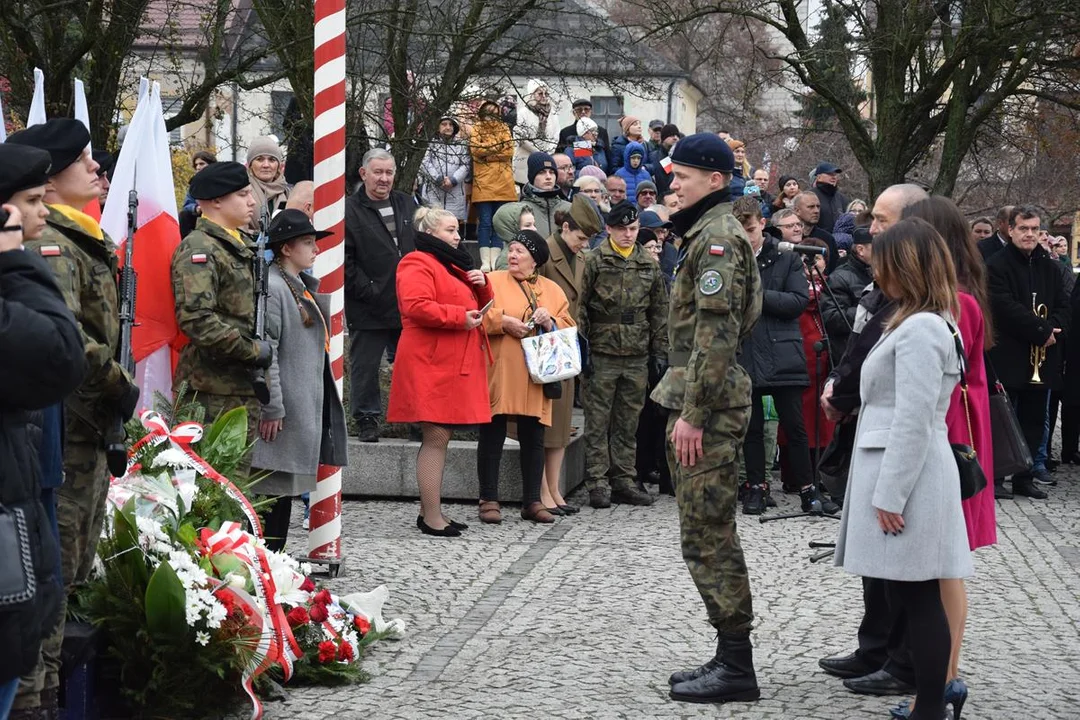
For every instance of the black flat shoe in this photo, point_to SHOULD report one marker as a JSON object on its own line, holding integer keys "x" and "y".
{"x": 452, "y": 523}
{"x": 879, "y": 683}
{"x": 448, "y": 531}
{"x": 569, "y": 509}
{"x": 555, "y": 510}
{"x": 846, "y": 666}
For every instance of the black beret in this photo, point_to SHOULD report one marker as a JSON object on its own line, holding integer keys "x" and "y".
{"x": 63, "y": 138}
{"x": 536, "y": 245}
{"x": 292, "y": 223}
{"x": 622, "y": 214}
{"x": 105, "y": 161}
{"x": 22, "y": 167}
{"x": 705, "y": 151}
{"x": 218, "y": 179}
{"x": 645, "y": 235}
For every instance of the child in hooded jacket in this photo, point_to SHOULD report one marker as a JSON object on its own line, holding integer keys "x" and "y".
{"x": 633, "y": 170}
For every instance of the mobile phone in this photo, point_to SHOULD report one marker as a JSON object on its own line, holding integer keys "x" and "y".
{"x": 483, "y": 310}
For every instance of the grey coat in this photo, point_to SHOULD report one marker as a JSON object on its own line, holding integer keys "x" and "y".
{"x": 302, "y": 391}
{"x": 902, "y": 461}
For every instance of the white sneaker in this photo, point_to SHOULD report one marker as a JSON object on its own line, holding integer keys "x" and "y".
{"x": 307, "y": 524}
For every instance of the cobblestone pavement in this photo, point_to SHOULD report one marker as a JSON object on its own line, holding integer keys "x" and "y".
{"x": 586, "y": 618}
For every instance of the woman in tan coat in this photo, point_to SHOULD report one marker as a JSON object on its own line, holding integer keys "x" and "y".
{"x": 521, "y": 297}
{"x": 492, "y": 149}
{"x": 566, "y": 268}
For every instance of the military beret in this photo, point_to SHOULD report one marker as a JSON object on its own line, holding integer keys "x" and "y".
{"x": 292, "y": 223}
{"x": 535, "y": 243}
{"x": 218, "y": 179}
{"x": 586, "y": 215}
{"x": 63, "y": 138}
{"x": 22, "y": 167}
{"x": 623, "y": 214}
{"x": 705, "y": 151}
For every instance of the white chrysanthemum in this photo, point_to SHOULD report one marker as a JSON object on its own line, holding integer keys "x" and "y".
{"x": 173, "y": 458}
{"x": 203, "y": 638}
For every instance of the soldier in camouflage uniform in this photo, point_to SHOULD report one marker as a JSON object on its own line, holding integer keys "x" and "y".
{"x": 715, "y": 301}
{"x": 83, "y": 259}
{"x": 623, "y": 316}
{"x": 213, "y": 280}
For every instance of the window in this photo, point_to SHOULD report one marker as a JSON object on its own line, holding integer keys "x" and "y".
{"x": 169, "y": 107}
{"x": 606, "y": 111}
{"x": 279, "y": 107}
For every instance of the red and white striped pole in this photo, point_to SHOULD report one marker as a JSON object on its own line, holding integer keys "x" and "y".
{"x": 324, "y": 537}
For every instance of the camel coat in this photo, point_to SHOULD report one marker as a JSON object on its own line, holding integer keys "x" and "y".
{"x": 558, "y": 270}
{"x": 492, "y": 150}
{"x": 510, "y": 389}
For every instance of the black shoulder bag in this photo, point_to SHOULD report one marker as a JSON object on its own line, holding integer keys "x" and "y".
{"x": 972, "y": 479}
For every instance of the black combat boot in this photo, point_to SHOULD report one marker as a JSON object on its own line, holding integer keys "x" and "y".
{"x": 732, "y": 679}
{"x": 754, "y": 501}
{"x": 686, "y": 675}
{"x": 600, "y": 498}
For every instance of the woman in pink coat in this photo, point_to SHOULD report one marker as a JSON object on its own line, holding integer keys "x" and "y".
{"x": 977, "y": 336}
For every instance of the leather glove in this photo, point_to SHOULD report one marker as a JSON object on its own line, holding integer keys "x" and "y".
{"x": 129, "y": 402}
{"x": 265, "y": 354}
{"x": 657, "y": 367}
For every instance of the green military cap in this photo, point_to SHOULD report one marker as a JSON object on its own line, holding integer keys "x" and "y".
{"x": 586, "y": 214}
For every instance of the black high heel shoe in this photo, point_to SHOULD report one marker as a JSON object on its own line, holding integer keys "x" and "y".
{"x": 956, "y": 694}
{"x": 448, "y": 531}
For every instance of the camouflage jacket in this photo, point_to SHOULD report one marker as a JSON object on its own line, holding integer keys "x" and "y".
{"x": 85, "y": 269}
{"x": 623, "y": 305}
{"x": 715, "y": 301}
{"x": 213, "y": 280}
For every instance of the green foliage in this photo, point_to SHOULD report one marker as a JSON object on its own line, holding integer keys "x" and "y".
{"x": 165, "y": 603}
{"x": 224, "y": 443}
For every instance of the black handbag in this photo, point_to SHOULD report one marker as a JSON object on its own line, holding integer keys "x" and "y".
{"x": 972, "y": 478}
{"x": 1011, "y": 452}
{"x": 18, "y": 579}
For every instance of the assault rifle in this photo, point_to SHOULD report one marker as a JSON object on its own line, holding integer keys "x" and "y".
{"x": 115, "y": 449}
{"x": 262, "y": 290}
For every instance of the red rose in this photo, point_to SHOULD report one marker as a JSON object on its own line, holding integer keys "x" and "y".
{"x": 322, "y": 597}
{"x": 318, "y": 613}
{"x": 298, "y": 616}
{"x": 307, "y": 585}
{"x": 362, "y": 624}
{"x": 345, "y": 652}
{"x": 327, "y": 651}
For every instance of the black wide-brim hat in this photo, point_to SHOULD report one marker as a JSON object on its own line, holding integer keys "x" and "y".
{"x": 291, "y": 223}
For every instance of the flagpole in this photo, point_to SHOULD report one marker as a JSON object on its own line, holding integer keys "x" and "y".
{"x": 324, "y": 536}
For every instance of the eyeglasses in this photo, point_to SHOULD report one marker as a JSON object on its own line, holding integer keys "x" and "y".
{"x": 564, "y": 167}
{"x": 647, "y": 192}
{"x": 788, "y": 226}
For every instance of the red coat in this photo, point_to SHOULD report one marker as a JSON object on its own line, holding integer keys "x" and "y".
{"x": 817, "y": 367}
{"x": 440, "y": 370}
{"x": 979, "y": 511}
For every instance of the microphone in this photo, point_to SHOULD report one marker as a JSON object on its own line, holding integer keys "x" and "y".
{"x": 805, "y": 249}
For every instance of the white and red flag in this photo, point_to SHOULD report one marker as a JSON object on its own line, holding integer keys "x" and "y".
{"x": 145, "y": 164}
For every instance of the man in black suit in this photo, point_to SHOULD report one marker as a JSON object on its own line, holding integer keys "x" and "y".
{"x": 992, "y": 245}
{"x": 582, "y": 108}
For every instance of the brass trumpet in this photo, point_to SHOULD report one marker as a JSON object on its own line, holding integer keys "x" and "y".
{"x": 1038, "y": 352}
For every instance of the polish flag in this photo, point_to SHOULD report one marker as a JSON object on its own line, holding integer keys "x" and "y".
{"x": 145, "y": 164}
{"x": 82, "y": 114}
{"x": 583, "y": 148}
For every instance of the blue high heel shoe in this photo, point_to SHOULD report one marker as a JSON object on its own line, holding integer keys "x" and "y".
{"x": 956, "y": 694}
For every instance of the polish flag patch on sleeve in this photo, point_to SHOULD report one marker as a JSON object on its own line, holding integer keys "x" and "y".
{"x": 716, "y": 250}
{"x": 50, "y": 251}
{"x": 666, "y": 165}
{"x": 198, "y": 258}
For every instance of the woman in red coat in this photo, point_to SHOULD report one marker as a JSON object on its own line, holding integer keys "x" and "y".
{"x": 440, "y": 372}
{"x": 819, "y": 429}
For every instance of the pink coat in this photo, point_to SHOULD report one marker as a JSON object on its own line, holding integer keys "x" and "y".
{"x": 979, "y": 510}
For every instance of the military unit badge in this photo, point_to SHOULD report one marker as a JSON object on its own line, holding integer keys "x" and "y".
{"x": 710, "y": 282}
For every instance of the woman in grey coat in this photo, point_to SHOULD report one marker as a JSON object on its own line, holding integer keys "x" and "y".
{"x": 303, "y": 425}
{"x": 902, "y": 518}
{"x": 445, "y": 170}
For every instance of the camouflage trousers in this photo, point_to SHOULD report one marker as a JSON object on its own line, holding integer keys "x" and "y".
{"x": 612, "y": 398}
{"x": 217, "y": 405}
{"x": 80, "y": 512}
{"x": 707, "y": 494}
